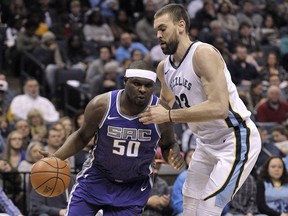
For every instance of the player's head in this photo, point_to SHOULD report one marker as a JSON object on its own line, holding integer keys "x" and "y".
{"x": 140, "y": 79}
{"x": 170, "y": 22}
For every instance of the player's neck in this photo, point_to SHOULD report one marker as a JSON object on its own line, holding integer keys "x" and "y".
{"x": 181, "y": 50}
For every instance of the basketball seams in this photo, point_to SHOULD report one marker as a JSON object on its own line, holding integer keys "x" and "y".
{"x": 48, "y": 178}
{"x": 39, "y": 172}
{"x": 45, "y": 161}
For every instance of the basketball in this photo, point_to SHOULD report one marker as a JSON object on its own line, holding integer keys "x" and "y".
{"x": 50, "y": 176}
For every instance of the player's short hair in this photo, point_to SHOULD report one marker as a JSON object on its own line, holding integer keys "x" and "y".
{"x": 141, "y": 64}
{"x": 177, "y": 12}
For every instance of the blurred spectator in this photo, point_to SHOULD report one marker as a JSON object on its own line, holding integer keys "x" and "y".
{"x": 127, "y": 45}
{"x": 268, "y": 148}
{"x": 95, "y": 29}
{"x": 254, "y": 96}
{"x": 156, "y": 55}
{"x": 22, "y": 104}
{"x": 11, "y": 181}
{"x": 158, "y": 203}
{"x": 219, "y": 44}
{"x": 37, "y": 125}
{"x": 122, "y": 24}
{"x": 206, "y": 14}
{"x": 280, "y": 137}
{"x": 45, "y": 7}
{"x": 53, "y": 140}
{"x": 23, "y": 128}
{"x": 108, "y": 8}
{"x": 97, "y": 66}
{"x": 282, "y": 84}
{"x": 136, "y": 55}
{"x": 268, "y": 33}
{"x": 144, "y": 27}
{"x": 66, "y": 121}
{"x": 11, "y": 53}
{"x": 177, "y": 196}
{"x": 227, "y": 19}
{"x": 76, "y": 55}
{"x": 272, "y": 8}
{"x": 59, "y": 127}
{"x": 36, "y": 16}
{"x": 78, "y": 119}
{"x": 272, "y": 67}
{"x": 244, "y": 202}
{"x": 6, "y": 96}
{"x": 272, "y": 188}
{"x": 7, "y": 206}
{"x": 52, "y": 206}
{"x": 112, "y": 79}
{"x": 216, "y": 32}
{"x": 32, "y": 156}
{"x": 14, "y": 153}
{"x": 249, "y": 15}
{"x": 242, "y": 72}
{"x": 17, "y": 8}
{"x": 273, "y": 109}
{"x": 83, "y": 155}
{"x": 26, "y": 39}
{"x": 193, "y": 7}
{"x": 247, "y": 38}
{"x": 194, "y": 31}
{"x": 62, "y": 28}
{"x": 75, "y": 16}
{"x": 50, "y": 56}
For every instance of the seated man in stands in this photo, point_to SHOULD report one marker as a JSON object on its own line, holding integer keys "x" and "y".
{"x": 273, "y": 109}
{"x": 22, "y": 104}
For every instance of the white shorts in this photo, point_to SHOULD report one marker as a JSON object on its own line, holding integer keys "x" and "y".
{"x": 218, "y": 169}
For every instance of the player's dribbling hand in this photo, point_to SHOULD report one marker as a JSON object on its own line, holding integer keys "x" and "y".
{"x": 176, "y": 160}
{"x": 45, "y": 154}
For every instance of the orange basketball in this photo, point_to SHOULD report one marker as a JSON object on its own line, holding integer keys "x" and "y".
{"x": 50, "y": 176}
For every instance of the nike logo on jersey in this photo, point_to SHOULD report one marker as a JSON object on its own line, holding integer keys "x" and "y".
{"x": 166, "y": 72}
{"x": 143, "y": 189}
{"x": 112, "y": 117}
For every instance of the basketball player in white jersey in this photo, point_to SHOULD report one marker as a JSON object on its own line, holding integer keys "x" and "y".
{"x": 228, "y": 143}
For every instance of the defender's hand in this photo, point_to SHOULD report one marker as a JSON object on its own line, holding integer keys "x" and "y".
{"x": 154, "y": 114}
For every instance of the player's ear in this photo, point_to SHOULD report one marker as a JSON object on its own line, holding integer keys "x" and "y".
{"x": 125, "y": 80}
{"x": 181, "y": 26}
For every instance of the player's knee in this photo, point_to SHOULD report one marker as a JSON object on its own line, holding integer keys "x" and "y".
{"x": 208, "y": 208}
{"x": 190, "y": 206}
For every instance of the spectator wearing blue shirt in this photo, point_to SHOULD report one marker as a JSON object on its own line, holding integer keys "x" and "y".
{"x": 177, "y": 196}
{"x": 7, "y": 206}
{"x": 127, "y": 46}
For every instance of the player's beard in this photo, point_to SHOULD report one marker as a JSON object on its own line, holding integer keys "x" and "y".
{"x": 171, "y": 46}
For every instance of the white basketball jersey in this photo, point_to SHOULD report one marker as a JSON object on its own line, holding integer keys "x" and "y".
{"x": 188, "y": 91}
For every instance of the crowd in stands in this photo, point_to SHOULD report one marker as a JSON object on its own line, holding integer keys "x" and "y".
{"x": 46, "y": 43}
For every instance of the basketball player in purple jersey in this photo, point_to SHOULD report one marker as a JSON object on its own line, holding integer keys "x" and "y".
{"x": 117, "y": 177}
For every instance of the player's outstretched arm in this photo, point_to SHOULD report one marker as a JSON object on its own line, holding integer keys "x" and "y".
{"x": 93, "y": 115}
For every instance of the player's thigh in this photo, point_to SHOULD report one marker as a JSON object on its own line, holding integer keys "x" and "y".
{"x": 78, "y": 206}
{"x": 239, "y": 152}
{"x": 120, "y": 211}
{"x": 198, "y": 173}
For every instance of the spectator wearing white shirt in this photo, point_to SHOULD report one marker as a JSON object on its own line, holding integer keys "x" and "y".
{"x": 22, "y": 104}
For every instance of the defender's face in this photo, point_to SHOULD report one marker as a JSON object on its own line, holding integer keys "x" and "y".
{"x": 166, "y": 32}
{"x": 139, "y": 90}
